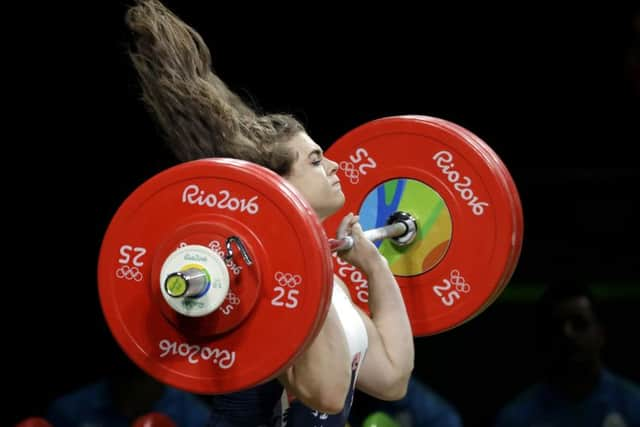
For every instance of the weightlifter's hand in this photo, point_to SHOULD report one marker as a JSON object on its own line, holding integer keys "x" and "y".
{"x": 363, "y": 254}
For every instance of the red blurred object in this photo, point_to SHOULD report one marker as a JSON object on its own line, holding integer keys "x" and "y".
{"x": 153, "y": 419}
{"x": 34, "y": 422}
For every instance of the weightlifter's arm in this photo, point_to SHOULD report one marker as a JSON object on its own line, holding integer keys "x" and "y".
{"x": 389, "y": 362}
{"x": 320, "y": 377}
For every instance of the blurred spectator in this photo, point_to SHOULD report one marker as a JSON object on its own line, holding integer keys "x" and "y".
{"x": 124, "y": 397}
{"x": 421, "y": 407}
{"x": 577, "y": 389}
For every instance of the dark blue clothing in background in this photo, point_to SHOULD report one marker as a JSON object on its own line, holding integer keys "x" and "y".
{"x": 93, "y": 406}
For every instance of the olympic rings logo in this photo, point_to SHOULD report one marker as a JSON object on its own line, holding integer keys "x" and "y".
{"x": 129, "y": 273}
{"x": 458, "y": 281}
{"x": 233, "y": 298}
{"x": 288, "y": 279}
{"x": 350, "y": 171}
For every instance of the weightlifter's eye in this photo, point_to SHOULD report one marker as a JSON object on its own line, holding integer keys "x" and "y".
{"x": 316, "y": 157}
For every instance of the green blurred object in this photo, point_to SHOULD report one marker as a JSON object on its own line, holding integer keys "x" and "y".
{"x": 529, "y": 292}
{"x": 379, "y": 419}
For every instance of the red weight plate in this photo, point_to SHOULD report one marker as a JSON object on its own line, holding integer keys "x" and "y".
{"x": 210, "y": 232}
{"x": 432, "y": 162}
{"x": 518, "y": 214}
{"x": 153, "y": 419}
{"x": 34, "y": 422}
{"x": 509, "y": 183}
{"x": 287, "y": 288}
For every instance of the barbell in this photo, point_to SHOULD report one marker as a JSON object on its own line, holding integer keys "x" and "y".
{"x": 215, "y": 275}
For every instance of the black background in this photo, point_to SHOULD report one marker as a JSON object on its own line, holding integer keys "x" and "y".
{"x": 550, "y": 90}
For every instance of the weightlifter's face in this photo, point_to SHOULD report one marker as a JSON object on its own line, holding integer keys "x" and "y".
{"x": 315, "y": 176}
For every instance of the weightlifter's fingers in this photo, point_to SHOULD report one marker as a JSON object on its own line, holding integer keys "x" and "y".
{"x": 344, "y": 228}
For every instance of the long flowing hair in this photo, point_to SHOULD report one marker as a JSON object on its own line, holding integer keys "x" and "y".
{"x": 198, "y": 115}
